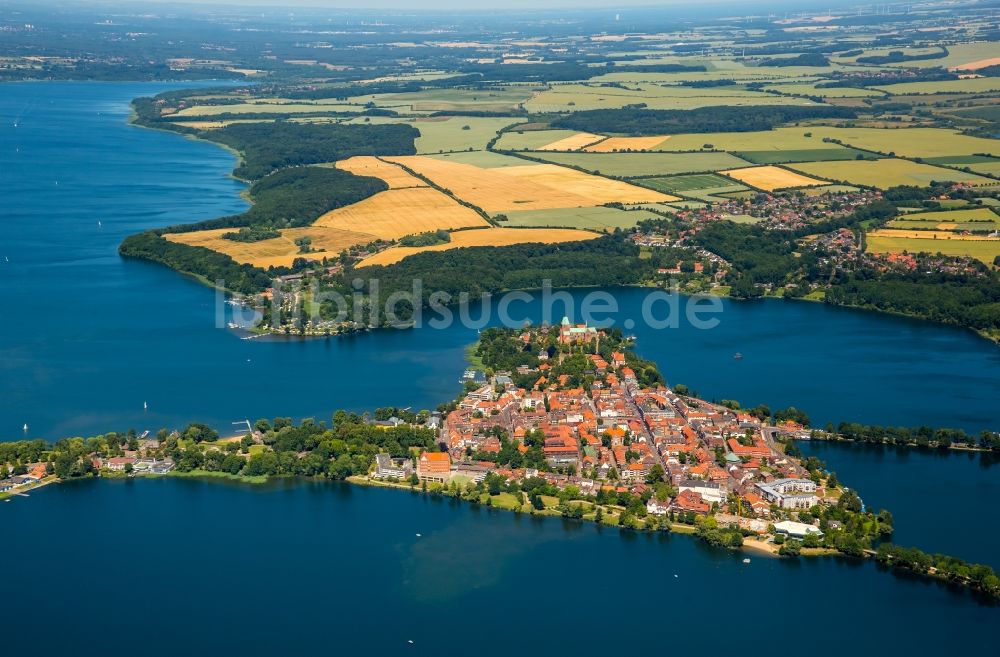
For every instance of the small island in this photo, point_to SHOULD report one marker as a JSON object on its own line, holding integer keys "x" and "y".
{"x": 563, "y": 421}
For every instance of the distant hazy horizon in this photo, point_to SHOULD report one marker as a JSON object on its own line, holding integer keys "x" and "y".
{"x": 738, "y": 6}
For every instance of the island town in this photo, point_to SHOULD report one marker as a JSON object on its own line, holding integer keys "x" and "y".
{"x": 563, "y": 421}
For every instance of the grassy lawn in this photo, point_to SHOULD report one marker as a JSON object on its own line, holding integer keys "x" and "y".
{"x": 505, "y": 501}
{"x": 549, "y": 501}
{"x": 475, "y": 362}
{"x": 195, "y": 474}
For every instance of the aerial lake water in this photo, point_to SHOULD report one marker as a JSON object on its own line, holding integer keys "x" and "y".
{"x": 87, "y": 338}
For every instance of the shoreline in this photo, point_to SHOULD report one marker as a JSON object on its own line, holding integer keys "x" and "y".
{"x": 750, "y": 546}
{"x": 134, "y": 120}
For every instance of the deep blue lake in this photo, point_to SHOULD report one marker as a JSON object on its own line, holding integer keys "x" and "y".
{"x": 339, "y": 570}
{"x": 87, "y": 337}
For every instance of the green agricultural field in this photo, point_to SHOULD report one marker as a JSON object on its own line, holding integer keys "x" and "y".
{"x": 961, "y": 160}
{"x": 439, "y": 134}
{"x": 445, "y": 100}
{"x": 690, "y": 183}
{"x": 779, "y": 139}
{"x": 704, "y": 187}
{"x": 885, "y": 173}
{"x": 203, "y": 111}
{"x": 807, "y": 155}
{"x": 956, "y": 216}
{"x": 529, "y": 140}
{"x": 483, "y": 159}
{"x": 457, "y": 133}
{"x": 986, "y": 113}
{"x": 966, "y": 86}
{"x": 577, "y": 97}
{"x": 984, "y": 250}
{"x": 910, "y": 142}
{"x": 827, "y": 189}
{"x": 806, "y": 89}
{"x": 644, "y": 164}
{"x": 596, "y": 218}
{"x": 973, "y": 219}
{"x": 971, "y": 226}
{"x": 986, "y": 168}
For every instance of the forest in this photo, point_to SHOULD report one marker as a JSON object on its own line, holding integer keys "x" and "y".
{"x": 206, "y": 264}
{"x": 294, "y": 197}
{"x": 267, "y": 147}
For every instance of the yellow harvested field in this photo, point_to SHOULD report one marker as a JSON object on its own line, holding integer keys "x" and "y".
{"x": 929, "y": 235}
{"x": 392, "y": 174}
{"x": 485, "y": 237}
{"x": 203, "y": 125}
{"x": 770, "y": 178}
{"x": 388, "y": 215}
{"x": 277, "y": 252}
{"x": 976, "y": 65}
{"x": 612, "y": 144}
{"x": 528, "y": 187}
{"x": 572, "y": 143}
{"x": 397, "y": 213}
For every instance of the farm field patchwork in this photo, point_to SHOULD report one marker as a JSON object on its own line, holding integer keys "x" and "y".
{"x": 577, "y": 97}
{"x": 898, "y": 241}
{"x": 612, "y": 144}
{"x": 388, "y": 215}
{"x": 399, "y": 212}
{"x": 573, "y": 142}
{"x": 483, "y": 237}
{"x": 807, "y": 89}
{"x": 530, "y": 140}
{"x": 276, "y": 252}
{"x": 969, "y": 219}
{"x": 392, "y": 174}
{"x": 968, "y": 85}
{"x": 911, "y": 142}
{"x": 451, "y": 100}
{"x": 525, "y": 186}
{"x": 805, "y": 155}
{"x": 771, "y": 178}
{"x": 706, "y": 186}
{"x": 457, "y": 133}
{"x": 644, "y": 164}
{"x": 269, "y": 108}
{"x": 885, "y": 173}
{"x": 779, "y": 139}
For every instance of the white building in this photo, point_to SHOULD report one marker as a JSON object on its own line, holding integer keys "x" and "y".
{"x": 790, "y": 493}
{"x": 796, "y": 529}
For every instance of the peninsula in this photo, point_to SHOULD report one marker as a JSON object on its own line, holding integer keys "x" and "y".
{"x": 559, "y": 421}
